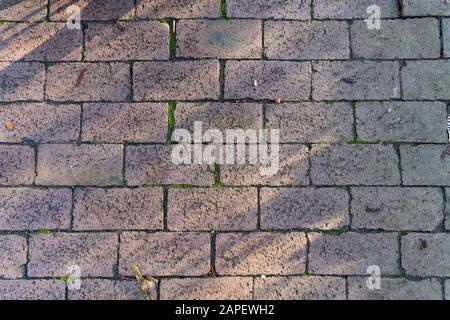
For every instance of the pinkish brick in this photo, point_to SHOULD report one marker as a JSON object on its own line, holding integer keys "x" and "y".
{"x": 222, "y": 288}
{"x": 22, "y": 81}
{"x": 92, "y": 10}
{"x": 13, "y": 256}
{"x": 212, "y": 209}
{"x": 178, "y": 9}
{"x": 140, "y": 40}
{"x": 40, "y": 122}
{"x": 180, "y": 80}
{"x": 16, "y": 165}
{"x": 260, "y": 253}
{"x": 67, "y": 165}
{"x": 165, "y": 253}
{"x": 94, "y": 253}
{"x": 32, "y": 290}
{"x": 135, "y": 122}
{"x": 105, "y": 289}
{"x": 110, "y": 209}
{"x": 34, "y": 209}
{"x": 270, "y": 9}
{"x": 24, "y": 10}
{"x": 88, "y": 82}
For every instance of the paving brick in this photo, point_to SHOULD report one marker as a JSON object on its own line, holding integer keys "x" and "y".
{"x": 446, "y": 37}
{"x": 447, "y": 289}
{"x": 397, "y": 39}
{"x": 40, "y": 122}
{"x": 223, "y": 288}
{"x": 135, "y": 122}
{"x": 22, "y": 81}
{"x": 425, "y": 165}
{"x": 292, "y": 169}
{"x": 300, "y": 288}
{"x": 306, "y": 40}
{"x": 118, "y": 209}
{"x": 13, "y": 256}
{"x": 266, "y": 9}
{"x": 212, "y": 209}
{"x": 226, "y": 39}
{"x": 16, "y": 165}
{"x": 426, "y": 8}
{"x": 260, "y": 253}
{"x": 52, "y": 255}
{"x": 286, "y": 208}
{"x": 25, "y": 10}
{"x": 178, "y": 9}
{"x": 93, "y": 10}
{"x": 287, "y": 80}
{"x": 165, "y": 254}
{"x": 32, "y": 290}
{"x": 447, "y": 209}
{"x": 397, "y": 208}
{"x": 140, "y": 40}
{"x": 39, "y": 41}
{"x": 311, "y": 122}
{"x": 354, "y": 164}
{"x": 426, "y": 255}
{"x": 395, "y": 289}
{"x": 105, "y": 289}
{"x": 88, "y": 82}
{"x": 67, "y": 165}
{"x": 355, "y": 80}
{"x": 349, "y": 9}
{"x": 426, "y": 80}
{"x": 35, "y": 209}
{"x": 352, "y": 253}
{"x": 402, "y": 121}
{"x": 180, "y": 80}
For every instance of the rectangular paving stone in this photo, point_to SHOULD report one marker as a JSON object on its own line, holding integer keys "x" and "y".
{"x": 447, "y": 289}
{"x": 426, "y": 80}
{"x": 300, "y": 288}
{"x": 178, "y": 9}
{"x": 354, "y": 164}
{"x": 286, "y": 80}
{"x": 22, "y": 81}
{"x": 221, "y": 288}
{"x": 306, "y": 40}
{"x": 349, "y": 9}
{"x": 425, "y": 165}
{"x": 13, "y": 256}
{"x": 153, "y": 164}
{"x": 447, "y": 209}
{"x": 352, "y": 253}
{"x": 446, "y": 37}
{"x": 426, "y": 8}
{"x": 40, "y": 122}
{"x": 397, "y": 208}
{"x": 105, "y": 289}
{"x": 16, "y": 165}
{"x": 32, "y": 290}
{"x": 118, "y": 122}
{"x": 311, "y": 122}
{"x": 397, "y": 39}
{"x": 88, "y": 82}
{"x": 68, "y": 165}
{"x": 118, "y": 209}
{"x": 402, "y": 121}
{"x": 40, "y": 42}
{"x": 426, "y": 255}
{"x": 260, "y": 253}
{"x": 35, "y": 209}
{"x": 395, "y": 289}
{"x": 270, "y": 9}
{"x": 93, "y": 10}
{"x": 355, "y": 80}
{"x": 205, "y": 209}
{"x": 52, "y": 255}
{"x": 139, "y": 40}
{"x": 226, "y": 39}
{"x": 304, "y": 208}
{"x": 25, "y": 10}
{"x": 180, "y": 80}
{"x": 165, "y": 253}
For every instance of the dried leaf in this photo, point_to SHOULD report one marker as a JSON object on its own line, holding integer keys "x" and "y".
{"x": 278, "y": 101}
{"x": 9, "y": 126}
{"x": 120, "y": 26}
{"x": 147, "y": 286}
{"x": 80, "y": 78}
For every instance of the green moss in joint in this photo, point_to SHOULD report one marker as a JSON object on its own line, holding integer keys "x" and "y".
{"x": 217, "y": 182}
{"x": 43, "y": 231}
{"x": 223, "y": 9}
{"x": 171, "y": 120}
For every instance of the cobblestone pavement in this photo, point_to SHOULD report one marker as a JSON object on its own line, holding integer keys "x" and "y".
{"x": 87, "y": 178}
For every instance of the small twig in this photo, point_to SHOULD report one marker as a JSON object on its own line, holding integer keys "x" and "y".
{"x": 80, "y": 77}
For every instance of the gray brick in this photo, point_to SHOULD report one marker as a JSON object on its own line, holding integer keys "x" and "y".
{"x": 93, "y": 10}
{"x": 25, "y": 10}
{"x": 105, "y": 289}
{"x": 305, "y": 208}
{"x": 32, "y": 290}
{"x": 287, "y": 80}
{"x": 13, "y": 256}
{"x": 356, "y": 80}
{"x": 178, "y": 9}
{"x": 397, "y": 39}
{"x": 349, "y": 9}
{"x": 447, "y": 209}
{"x": 397, "y": 208}
{"x": 425, "y": 165}
{"x": 22, "y": 81}
{"x": 352, "y": 253}
{"x": 402, "y": 121}
{"x": 447, "y": 289}
{"x": 354, "y": 164}
{"x": 306, "y": 40}
{"x": 16, "y": 165}
{"x": 446, "y": 37}
{"x": 266, "y": 9}
{"x": 426, "y": 8}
